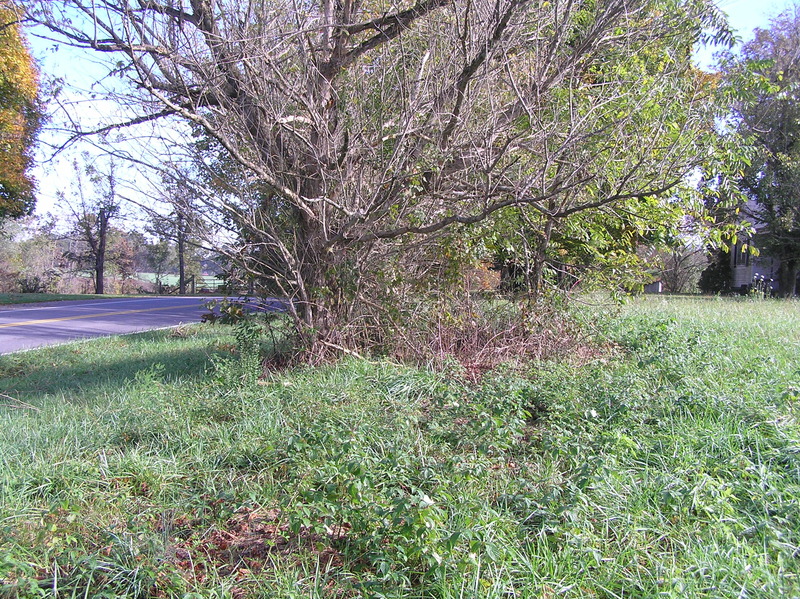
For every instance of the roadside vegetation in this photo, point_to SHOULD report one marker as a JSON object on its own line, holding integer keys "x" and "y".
{"x": 665, "y": 462}
{"x": 35, "y": 298}
{"x": 400, "y": 429}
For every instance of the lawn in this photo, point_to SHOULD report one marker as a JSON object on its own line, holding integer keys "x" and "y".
{"x": 211, "y": 281}
{"x": 152, "y": 277}
{"x": 159, "y": 465}
{"x": 32, "y": 298}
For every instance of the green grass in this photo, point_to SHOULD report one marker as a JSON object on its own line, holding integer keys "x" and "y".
{"x": 158, "y": 466}
{"x": 200, "y": 280}
{"x": 30, "y": 298}
{"x": 151, "y": 277}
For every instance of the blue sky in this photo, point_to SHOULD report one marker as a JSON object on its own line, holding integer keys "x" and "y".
{"x": 744, "y": 16}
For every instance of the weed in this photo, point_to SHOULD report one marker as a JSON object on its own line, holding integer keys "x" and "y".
{"x": 667, "y": 468}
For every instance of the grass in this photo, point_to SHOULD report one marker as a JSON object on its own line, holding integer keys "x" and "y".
{"x": 152, "y": 277}
{"x": 30, "y": 298}
{"x": 158, "y": 465}
{"x": 168, "y": 279}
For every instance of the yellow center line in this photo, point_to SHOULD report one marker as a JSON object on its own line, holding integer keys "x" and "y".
{"x": 63, "y": 318}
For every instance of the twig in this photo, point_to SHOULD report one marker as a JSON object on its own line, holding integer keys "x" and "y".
{"x": 349, "y": 352}
{"x": 18, "y": 404}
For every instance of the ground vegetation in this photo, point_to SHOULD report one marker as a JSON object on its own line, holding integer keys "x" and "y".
{"x": 661, "y": 463}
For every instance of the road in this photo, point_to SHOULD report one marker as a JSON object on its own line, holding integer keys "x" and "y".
{"x": 31, "y": 325}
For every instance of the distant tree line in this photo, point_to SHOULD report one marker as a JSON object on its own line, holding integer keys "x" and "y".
{"x": 38, "y": 257}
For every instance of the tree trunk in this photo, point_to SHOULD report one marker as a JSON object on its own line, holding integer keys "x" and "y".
{"x": 323, "y": 293}
{"x": 99, "y": 265}
{"x": 100, "y": 258}
{"x": 539, "y": 260}
{"x": 788, "y": 277}
{"x": 181, "y": 224}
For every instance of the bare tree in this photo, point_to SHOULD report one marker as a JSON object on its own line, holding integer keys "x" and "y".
{"x": 679, "y": 265}
{"x": 351, "y": 131}
{"x": 91, "y": 219}
{"x": 182, "y": 225}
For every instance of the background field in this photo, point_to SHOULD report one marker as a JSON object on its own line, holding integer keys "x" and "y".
{"x": 207, "y": 281}
{"x": 159, "y": 465}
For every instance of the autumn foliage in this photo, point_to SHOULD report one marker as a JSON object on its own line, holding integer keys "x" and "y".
{"x": 19, "y": 115}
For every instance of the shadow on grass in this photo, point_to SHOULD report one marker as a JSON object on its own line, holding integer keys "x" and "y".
{"x": 84, "y": 371}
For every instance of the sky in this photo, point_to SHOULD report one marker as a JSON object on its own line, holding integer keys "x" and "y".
{"x": 745, "y": 16}
{"x": 79, "y": 73}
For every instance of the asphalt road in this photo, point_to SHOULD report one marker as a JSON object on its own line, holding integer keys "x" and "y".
{"x": 27, "y": 326}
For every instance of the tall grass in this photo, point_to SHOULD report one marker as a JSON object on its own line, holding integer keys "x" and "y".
{"x": 158, "y": 466}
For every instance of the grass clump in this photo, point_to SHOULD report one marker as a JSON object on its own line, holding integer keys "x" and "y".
{"x": 669, "y": 467}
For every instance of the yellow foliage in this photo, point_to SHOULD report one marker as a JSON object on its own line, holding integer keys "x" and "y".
{"x": 19, "y": 113}
{"x": 19, "y": 79}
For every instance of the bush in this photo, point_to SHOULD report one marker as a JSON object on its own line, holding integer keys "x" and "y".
{"x": 716, "y": 278}
{"x": 39, "y": 282}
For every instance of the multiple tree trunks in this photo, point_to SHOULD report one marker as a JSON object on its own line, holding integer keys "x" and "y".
{"x": 345, "y": 144}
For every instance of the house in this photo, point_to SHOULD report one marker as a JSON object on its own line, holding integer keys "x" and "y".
{"x": 654, "y": 287}
{"x": 748, "y": 269}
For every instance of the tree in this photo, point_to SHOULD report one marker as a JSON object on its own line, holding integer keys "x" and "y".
{"x": 679, "y": 266}
{"x": 31, "y": 255}
{"x": 181, "y": 226}
{"x": 716, "y": 278}
{"x": 770, "y": 117}
{"x": 91, "y": 220}
{"x": 121, "y": 253}
{"x": 175, "y": 228}
{"x": 352, "y": 133}
{"x": 159, "y": 259}
{"x": 20, "y": 115}
{"x": 182, "y": 222}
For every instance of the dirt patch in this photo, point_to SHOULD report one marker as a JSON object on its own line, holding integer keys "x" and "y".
{"x": 252, "y": 541}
